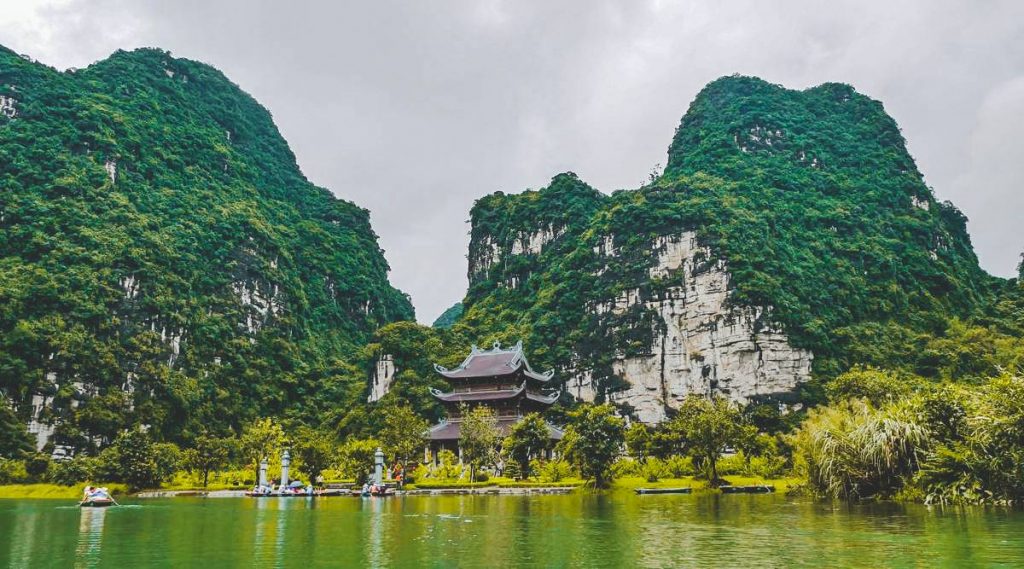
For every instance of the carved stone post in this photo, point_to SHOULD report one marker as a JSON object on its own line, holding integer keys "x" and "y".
{"x": 286, "y": 461}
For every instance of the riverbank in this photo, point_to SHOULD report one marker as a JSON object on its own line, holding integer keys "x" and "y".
{"x": 631, "y": 483}
{"x": 625, "y": 484}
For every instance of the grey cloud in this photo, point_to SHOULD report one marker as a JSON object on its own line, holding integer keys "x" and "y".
{"x": 415, "y": 109}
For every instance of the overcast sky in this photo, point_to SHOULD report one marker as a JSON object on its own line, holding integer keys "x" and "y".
{"x": 414, "y": 109}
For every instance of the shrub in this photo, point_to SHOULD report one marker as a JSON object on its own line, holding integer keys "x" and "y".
{"x": 654, "y": 469}
{"x": 626, "y": 467}
{"x": 553, "y": 470}
{"x": 680, "y": 466}
{"x": 13, "y": 472}
{"x": 356, "y": 459}
{"x": 37, "y": 465}
{"x": 732, "y": 464}
{"x": 875, "y": 385}
{"x": 768, "y": 466}
{"x": 852, "y": 450}
{"x": 72, "y": 472}
{"x": 448, "y": 467}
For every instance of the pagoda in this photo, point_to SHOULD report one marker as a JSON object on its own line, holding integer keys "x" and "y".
{"x": 498, "y": 378}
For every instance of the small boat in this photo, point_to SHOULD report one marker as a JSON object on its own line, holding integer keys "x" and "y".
{"x": 680, "y": 490}
{"x": 97, "y": 502}
{"x": 753, "y": 489}
{"x": 96, "y": 498}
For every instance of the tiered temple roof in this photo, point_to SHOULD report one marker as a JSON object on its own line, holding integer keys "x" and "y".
{"x": 494, "y": 363}
{"x": 499, "y": 378}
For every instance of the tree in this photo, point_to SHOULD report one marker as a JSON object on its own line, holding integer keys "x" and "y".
{"x": 136, "y": 460}
{"x": 706, "y": 427}
{"x": 14, "y": 439}
{"x": 638, "y": 441}
{"x": 875, "y": 385}
{"x": 478, "y": 438}
{"x": 593, "y": 441}
{"x": 37, "y": 465}
{"x": 404, "y": 433}
{"x": 526, "y": 438}
{"x": 314, "y": 451}
{"x": 259, "y": 440}
{"x": 207, "y": 454}
{"x": 355, "y": 458}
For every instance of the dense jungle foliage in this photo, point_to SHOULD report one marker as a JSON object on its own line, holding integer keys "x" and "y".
{"x": 163, "y": 261}
{"x": 449, "y": 317}
{"x": 812, "y": 201}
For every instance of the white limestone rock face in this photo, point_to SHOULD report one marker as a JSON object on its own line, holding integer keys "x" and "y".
{"x": 706, "y": 346}
{"x": 487, "y": 255}
{"x": 7, "y": 106}
{"x": 383, "y": 375}
{"x": 533, "y": 243}
{"x": 111, "y": 167}
{"x": 263, "y": 301}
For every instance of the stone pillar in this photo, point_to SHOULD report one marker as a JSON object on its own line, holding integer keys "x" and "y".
{"x": 286, "y": 461}
{"x": 378, "y": 467}
{"x": 263, "y": 472}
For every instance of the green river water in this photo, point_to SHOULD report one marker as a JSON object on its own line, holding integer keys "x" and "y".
{"x": 617, "y": 530}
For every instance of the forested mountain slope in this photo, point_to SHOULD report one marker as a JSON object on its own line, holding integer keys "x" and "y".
{"x": 163, "y": 260}
{"x": 790, "y": 237}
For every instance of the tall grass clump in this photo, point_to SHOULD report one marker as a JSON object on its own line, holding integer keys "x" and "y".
{"x": 854, "y": 450}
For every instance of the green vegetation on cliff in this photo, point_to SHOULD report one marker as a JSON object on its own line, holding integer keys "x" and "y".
{"x": 449, "y": 317}
{"x": 163, "y": 261}
{"x": 809, "y": 197}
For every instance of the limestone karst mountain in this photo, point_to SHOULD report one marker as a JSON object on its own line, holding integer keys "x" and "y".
{"x": 790, "y": 236}
{"x": 163, "y": 260}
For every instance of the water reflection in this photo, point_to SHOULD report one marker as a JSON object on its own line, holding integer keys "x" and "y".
{"x": 90, "y": 537}
{"x": 508, "y": 531}
{"x": 375, "y": 529}
{"x": 271, "y": 535}
{"x": 22, "y": 538}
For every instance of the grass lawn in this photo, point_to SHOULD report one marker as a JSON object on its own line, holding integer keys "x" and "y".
{"x": 53, "y": 491}
{"x": 631, "y": 483}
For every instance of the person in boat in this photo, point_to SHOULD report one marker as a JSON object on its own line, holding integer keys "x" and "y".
{"x": 93, "y": 493}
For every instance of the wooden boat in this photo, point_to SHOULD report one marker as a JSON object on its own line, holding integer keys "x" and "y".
{"x": 680, "y": 490}
{"x": 96, "y": 502}
{"x": 754, "y": 489}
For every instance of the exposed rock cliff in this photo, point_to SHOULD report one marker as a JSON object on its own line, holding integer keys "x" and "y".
{"x": 700, "y": 342}
{"x": 791, "y": 235}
